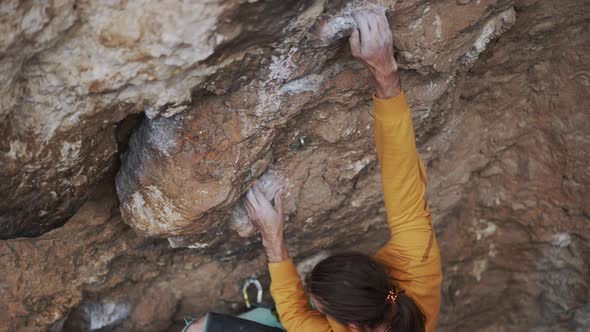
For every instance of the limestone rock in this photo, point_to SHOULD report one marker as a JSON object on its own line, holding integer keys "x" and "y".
{"x": 182, "y": 174}
{"x": 73, "y": 70}
{"x": 504, "y": 143}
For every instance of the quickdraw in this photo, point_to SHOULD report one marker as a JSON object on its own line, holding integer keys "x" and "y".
{"x": 249, "y": 282}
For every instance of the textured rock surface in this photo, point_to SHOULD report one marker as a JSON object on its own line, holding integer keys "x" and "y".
{"x": 510, "y": 181}
{"x": 182, "y": 174}
{"x": 505, "y": 147}
{"x": 75, "y": 69}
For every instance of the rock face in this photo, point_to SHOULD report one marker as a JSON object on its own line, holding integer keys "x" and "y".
{"x": 510, "y": 180}
{"x": 75, "y": 69}
{"x": 182, "y": 174}
{"x": 236, "y": 92}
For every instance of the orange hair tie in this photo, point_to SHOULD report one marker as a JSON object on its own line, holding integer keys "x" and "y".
{"x": 391, "y": 297}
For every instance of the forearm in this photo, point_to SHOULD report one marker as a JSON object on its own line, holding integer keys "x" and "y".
{"x": 275, "y": 249}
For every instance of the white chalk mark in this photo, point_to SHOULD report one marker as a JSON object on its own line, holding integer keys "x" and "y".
{"x": 438, "y": 27}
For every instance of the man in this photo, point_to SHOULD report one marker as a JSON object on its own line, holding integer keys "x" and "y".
{"x": 398, "y": 289}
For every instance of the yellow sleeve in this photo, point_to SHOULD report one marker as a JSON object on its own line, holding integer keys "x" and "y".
{"x": 412, "y": 253}
{"x": 295, "y": 312}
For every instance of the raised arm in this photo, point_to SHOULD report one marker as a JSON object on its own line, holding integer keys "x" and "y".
{"x": 412, "y": 253}
{"x": 292, "y": 303}
{"x": 402, "y": 174}
{"x": 404, "y": 186}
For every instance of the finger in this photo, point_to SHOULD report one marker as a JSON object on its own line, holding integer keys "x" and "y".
{"x": 381, "y": 21}
{"x": 355, "y": 43}
{"x": 248, "y": 207}
{"x": 252, "y": 198}
{"x": 385, "y": 24}
{"x": 377, "y": 21}
{"x": 371, "y": 20}
{"x": 262, "y": 201}
{"x": 279, "y": 202}
{"x": 363, "y": 26}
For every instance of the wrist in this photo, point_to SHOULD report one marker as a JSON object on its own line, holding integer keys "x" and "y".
{"x": 388, "y": 84}
{"x": 275, "y": 249}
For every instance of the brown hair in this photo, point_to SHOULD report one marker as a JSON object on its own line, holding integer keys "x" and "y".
{"x": 354, "y": 288}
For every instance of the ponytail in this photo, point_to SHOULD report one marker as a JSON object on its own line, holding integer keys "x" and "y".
{"x": 407, "y": 315}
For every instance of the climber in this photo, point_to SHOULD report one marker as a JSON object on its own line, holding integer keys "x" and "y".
{"x": 398, "y": 289}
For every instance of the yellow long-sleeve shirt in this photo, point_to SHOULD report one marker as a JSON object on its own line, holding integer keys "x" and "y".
{"x": 412, "y": 253}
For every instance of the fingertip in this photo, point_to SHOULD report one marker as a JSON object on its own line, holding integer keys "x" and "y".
{"x": 251, "y": 197}
{"x": 256, "y": 189}
{"x": 355, "y": 33}
{"x": 384, "y": 18}
{"x": 354, "y": 41}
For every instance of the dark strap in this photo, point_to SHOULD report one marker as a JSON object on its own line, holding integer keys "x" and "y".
{"x": 224, "y": 323}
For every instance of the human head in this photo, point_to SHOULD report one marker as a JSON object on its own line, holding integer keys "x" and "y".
{"x": 352, "y": 288}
